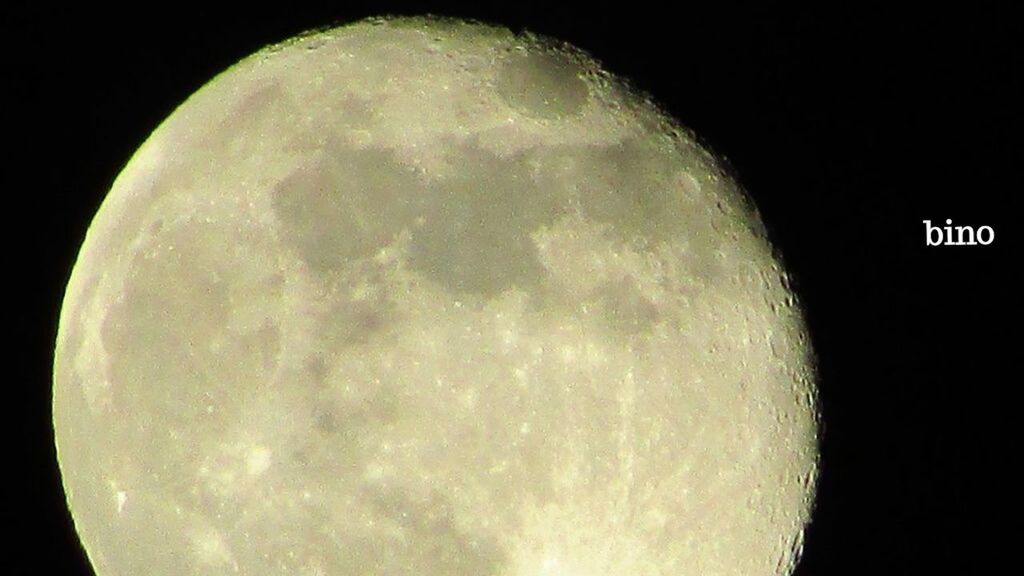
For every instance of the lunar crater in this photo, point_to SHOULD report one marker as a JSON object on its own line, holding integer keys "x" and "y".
{"x": 542, "y": 83}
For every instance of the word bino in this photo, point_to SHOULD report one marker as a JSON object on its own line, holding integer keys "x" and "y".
{"x": 950, "y": 235}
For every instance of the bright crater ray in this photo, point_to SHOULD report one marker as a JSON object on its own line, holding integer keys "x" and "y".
{"x": 419, "y": 297}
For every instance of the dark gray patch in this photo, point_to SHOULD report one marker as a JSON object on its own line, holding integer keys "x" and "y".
{"x": 353, "y": 322}
{"x": 345, "y": 206}
{"x": 471, "y": 231}
{"x": 265, "y": 345}
{"x": 356, "y": 113}
{"x": 316, "y": 367}
{"x": 152, "y": 366}
{"x": 173, "y": 363}
{"x": 631, "y": 189}
{"x": 326, "y": 423}
{"x": 476, "y": 238}
{"x": 542, "y": 83}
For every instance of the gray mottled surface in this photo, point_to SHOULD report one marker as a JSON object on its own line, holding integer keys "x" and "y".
{"x": 430, "y": 298}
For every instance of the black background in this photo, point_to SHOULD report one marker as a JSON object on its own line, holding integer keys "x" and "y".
{"x": 847, "y": 127}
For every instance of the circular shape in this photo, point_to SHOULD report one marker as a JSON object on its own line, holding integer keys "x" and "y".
{"x": 427, "y": 297}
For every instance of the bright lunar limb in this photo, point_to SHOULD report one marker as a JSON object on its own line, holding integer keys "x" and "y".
{"x": 426, "y": 297}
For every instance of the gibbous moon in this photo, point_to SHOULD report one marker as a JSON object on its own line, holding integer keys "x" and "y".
{"x": 429, "y": 298}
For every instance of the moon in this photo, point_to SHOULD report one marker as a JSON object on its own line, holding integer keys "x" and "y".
{"x": 426, "y": 297}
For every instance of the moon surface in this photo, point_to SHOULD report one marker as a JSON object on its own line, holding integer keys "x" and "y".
{"x": 427, "y": 297}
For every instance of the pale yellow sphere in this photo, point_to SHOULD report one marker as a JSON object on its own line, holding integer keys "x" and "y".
{"x": 418, "y": 297}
